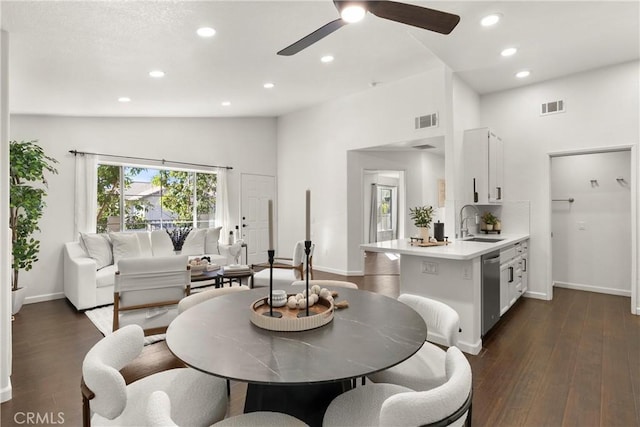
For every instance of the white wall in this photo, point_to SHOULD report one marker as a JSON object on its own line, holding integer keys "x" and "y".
{"x": 591, "y": 240}
{"x": 602, "y": 110}
{"x": 312, "y": 153}
{"x": 248, "y": 145}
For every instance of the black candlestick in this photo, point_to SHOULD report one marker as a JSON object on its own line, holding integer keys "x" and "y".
{"x": 271, "y": 313}
{"x": 307, "y": 251}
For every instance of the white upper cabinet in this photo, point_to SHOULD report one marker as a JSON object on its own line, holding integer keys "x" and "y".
{"x": 483, "y": 167}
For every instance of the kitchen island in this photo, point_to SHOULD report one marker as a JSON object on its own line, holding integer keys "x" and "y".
{"x": 453, "y": 274}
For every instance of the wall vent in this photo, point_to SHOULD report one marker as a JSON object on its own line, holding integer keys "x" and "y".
{"x": 428, "y": 121}
{"x": 552, "y": 107}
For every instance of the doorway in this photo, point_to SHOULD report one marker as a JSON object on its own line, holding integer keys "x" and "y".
{"x": 382, "y": 205}
{"x": 593, "y": 222}
{"x": 256, "y": 191}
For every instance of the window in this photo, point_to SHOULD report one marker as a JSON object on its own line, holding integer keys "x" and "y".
{"x": 154, "y": 198}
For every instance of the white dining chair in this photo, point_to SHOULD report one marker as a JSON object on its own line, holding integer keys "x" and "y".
{"x": 195, "y": 299}
{"x": 425, "y": 369}
{"x": 398, "y": 406}
{"x": 198, "y": 399}
{"x": 325, "y": 283}
{"x": 159, "y": 415}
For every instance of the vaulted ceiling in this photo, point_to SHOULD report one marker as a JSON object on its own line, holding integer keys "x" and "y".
{"x": 79, "y": 57}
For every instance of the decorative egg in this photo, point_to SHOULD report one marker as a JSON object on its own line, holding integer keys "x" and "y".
{"x": 299, "y": 297}
{"x": 315, "y": 289}
{"x": 292, "y": 298}
{"x": 313, "y": 299}
{"x": 292, "y": 303}
{"x": 329, "y": 298}
{"x": 324, "y": 293}
{"x": 302, "y": 303}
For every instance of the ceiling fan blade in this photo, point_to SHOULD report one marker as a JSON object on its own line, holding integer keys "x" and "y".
{"x": 310, "y": 39}
{"x": 417, "y": 16}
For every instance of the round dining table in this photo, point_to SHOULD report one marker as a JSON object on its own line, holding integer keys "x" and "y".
{"x": 298, "y": 373}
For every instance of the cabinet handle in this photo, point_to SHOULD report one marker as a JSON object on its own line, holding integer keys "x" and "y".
{"x": 475, "y": 193}
{"x": 499, "y": 193}
{"x": 510, "y": 274}
{"x": 524, "y": 266}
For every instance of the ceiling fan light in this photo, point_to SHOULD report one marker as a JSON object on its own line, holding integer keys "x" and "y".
{"x": 352, "y": 13}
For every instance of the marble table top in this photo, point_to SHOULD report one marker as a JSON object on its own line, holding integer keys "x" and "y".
{"x": 374, "y": 333}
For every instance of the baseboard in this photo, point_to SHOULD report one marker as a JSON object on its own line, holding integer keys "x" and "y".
{"x": 470, "y": 348}
{"x": 339, "y": 272}
{"x": 536, "y": 295}
{"x": 41, "y": 298}
{"x": 5, "y": 393}
{"x": 589, "y": 288}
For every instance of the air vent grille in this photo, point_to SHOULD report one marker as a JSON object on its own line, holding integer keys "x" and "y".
{"x": 428, "y": 121}
{"x": 553, "y": 107}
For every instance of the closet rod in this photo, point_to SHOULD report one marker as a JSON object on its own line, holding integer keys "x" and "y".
{"x": 163, "y": 161}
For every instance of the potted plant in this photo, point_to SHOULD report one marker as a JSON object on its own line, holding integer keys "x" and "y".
{"x": 489, "y": 220}
{"x": 422, "y": 217}
{"x": 27, "y": 166}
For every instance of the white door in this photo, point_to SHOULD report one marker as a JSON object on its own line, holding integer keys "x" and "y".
{"x": 256, "y": 190}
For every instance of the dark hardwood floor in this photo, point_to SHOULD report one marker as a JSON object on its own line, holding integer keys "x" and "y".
{"x": 571, "y": 361}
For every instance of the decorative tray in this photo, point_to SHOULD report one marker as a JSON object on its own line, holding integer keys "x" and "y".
{"x": 426, "y": 244}
{"x": 320, "y": 314}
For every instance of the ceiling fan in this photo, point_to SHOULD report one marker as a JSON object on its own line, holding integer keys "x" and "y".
{"x": 353, "y": 11}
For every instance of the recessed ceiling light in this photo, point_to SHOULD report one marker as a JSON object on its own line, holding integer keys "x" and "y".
{"x": 206, "y": 32}
{"x": 490, "y": 20}
{"x": 522, "y": 74}
{"x": 509, "y": 51}
{"x": 268, "y": 85}
{"x": 124, "y": 99}
{"x": 353, "y": 13}
{"x": 156, "y": 73}
{"x": 226, "y": 103}
{"x": 327, "y": 58}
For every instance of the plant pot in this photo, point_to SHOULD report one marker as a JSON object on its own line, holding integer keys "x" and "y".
{"x": 424, "y": 233}
{"x": 17, "y": 298}
{"x": 489, "y": 227}
{"x": 497, "y": 226}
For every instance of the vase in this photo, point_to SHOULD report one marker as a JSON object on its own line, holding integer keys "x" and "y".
{"x": 17, "y": 299}
{"x": 489, "y": 227}
{"x": 424, "y": 234}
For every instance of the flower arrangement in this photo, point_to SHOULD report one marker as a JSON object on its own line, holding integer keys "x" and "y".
{"x": 178, "y": 235}
{"x": 422, "y": 216}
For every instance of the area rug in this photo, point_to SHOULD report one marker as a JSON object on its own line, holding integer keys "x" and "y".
{"x": 102, "y": 318}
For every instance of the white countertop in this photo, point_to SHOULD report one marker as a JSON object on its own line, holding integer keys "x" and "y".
{"x": 457, "y": 249}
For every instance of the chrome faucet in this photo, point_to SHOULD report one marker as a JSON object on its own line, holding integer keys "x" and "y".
{"x": 464, "y": 232}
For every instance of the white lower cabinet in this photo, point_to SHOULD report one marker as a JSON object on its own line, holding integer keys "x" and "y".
{"x": 514, "y": 266}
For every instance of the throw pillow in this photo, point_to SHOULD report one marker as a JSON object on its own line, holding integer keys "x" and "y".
{"x": 99, "y": 248}
{"x": 125, "y": 245}
{"x": 211, "y": 241}
{"x": 194, "y": 243}
{"x": 161, "y": 243}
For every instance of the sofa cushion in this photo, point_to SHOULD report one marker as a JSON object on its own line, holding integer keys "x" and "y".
{"x": 211, "y": 240}
{"x": 194, "y": 243}
{"x": 145, "y": 243}
{"x": 161, "y": 244}
{"x": 98, "y": 247}
{"x": 125, "y": 245}
{"x": 106, "y": 277}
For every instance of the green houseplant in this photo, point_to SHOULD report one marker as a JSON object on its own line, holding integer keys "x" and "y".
{"x": 27, "y": 165}
{"x": 422, "y": 217}
{"x": 489, "y": 220}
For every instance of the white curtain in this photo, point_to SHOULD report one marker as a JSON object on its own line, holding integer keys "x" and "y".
{"x": 373, "y": 215}
{"x": 86, "y": 197}
{"x": 222, "y": 206}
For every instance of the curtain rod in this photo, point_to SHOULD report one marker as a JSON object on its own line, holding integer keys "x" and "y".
{"x": 163, "y": 161}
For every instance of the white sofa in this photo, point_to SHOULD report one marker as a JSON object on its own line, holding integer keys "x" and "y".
{"x": 90, "y": 264}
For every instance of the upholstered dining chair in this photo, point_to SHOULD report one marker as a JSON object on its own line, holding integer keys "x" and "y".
{"x": 194, "y": 299}
{"x": 198, "y": 399}
{"x": 147, "y": 291}
{"x": 286, "y": 270}
{"x": 394, "y": 405}
{"x": 325, "y": 283}
{"x": 425, "y": 369}
{"x": 159, "y": 415}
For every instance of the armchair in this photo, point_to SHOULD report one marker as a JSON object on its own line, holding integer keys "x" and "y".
{"x": 147, "y": 291}
{"x": 286, "y": 270}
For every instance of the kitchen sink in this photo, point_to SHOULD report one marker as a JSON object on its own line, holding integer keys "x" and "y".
{"x": 483, "y": 240}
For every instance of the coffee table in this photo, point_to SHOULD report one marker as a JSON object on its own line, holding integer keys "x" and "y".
{"x": 219, "y": 277}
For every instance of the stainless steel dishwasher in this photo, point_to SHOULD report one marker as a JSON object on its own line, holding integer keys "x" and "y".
{"x": 490, "y": 290}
